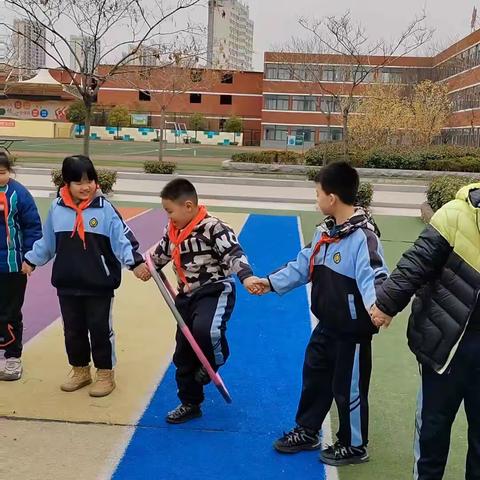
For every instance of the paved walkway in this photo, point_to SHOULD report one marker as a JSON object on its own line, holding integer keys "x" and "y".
{"x": 244, "y": 193}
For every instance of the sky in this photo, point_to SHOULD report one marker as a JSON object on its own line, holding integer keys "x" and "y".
{"x": 276, "y": 21}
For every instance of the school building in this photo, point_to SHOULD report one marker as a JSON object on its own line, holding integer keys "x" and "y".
{"x": 291, "y": 97}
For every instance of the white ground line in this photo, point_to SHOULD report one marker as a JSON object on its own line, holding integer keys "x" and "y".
{"x": 139, "y": 152}
{"x": 330, "y": 472}
{"x": 137, "y": 215}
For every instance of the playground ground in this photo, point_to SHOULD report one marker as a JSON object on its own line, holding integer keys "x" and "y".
{"x": 47, "y": 434}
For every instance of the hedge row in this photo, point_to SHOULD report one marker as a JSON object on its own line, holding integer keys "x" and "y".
{"x": 444, "y": 189}
{"x": 448, "y": 158}
{"x": 154, "y": 166}
{"x": 106, "y": 179}
{"x": 269, "y": 156}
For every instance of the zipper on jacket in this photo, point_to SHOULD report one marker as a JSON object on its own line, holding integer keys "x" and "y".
{"x": 351, "y": 306}
{"x": 325, "y": 253}
{"x": 453, "y": 351}
{"x": 107, "y": 271}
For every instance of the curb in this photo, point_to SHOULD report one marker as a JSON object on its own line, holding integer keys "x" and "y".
{"x": 227, "y": 180}
{"x": 363, "y": 172}
{"x": 426, "y": 212}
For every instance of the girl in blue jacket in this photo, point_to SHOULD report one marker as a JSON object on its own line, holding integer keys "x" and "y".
{"x": 90, "y": 244}
{"x": 20, "y": 227}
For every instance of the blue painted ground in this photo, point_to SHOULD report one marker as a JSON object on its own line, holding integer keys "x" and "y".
{"x": 267, "y": 338}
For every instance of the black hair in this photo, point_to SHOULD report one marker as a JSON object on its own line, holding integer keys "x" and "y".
{"x": 341, "y": 179}
{"x": 74, "y": 168}
{"x": 179, "y": 189}
{"x": 5, "y": 162}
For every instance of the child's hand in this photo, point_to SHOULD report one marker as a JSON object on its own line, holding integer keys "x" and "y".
{"x": 380, "y": 319}
{"x": 142, "y": 272}
{"x": 27, "y": 269}
{"x": 257, "y": 286}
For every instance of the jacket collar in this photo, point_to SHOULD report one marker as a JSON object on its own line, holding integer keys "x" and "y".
{"x": 97, "y": 202}
{"x": 360, "y": 219}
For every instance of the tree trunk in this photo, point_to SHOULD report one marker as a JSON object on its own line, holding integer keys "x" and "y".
{"x": 86, "y": 132}
{"x": 345, "y": 133}
{"x": 160, "y": 135}
{"x": 329, "y": 137}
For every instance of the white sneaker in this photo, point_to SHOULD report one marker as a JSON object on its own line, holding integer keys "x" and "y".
{"x": 12, "y": 370}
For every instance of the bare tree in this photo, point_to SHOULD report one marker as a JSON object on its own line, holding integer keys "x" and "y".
{"x": 356, "y": 59}
{"x": 98, "y": 23}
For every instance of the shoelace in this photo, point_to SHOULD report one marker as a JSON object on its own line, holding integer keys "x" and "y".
{"x": 75, "y": 373}
{"x": 295, "y": 435}
{"x": 341, "y": 451}
{"x": 179, "y": 412}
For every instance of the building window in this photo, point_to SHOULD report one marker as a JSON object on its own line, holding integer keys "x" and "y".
{"x": 299, "y": 72}
{"x": 144, "y": 95}
{"x": 459, "y": 63}
{"x": 276, "y": 102}
{"x": 195, "y": 98}
{"x": 332, "y": 134}
{"x": 196, "y": 76}
{"x": 312, "y": 73}
{"x": 276, "y": 133}
{"x": 307, "y": 134}
{"x": 466, "y": 99}
{"x": 271, "y": 71}
{"x": 329, "y": 105}
{"x": 285, "y": 72}
{"x": 221, "y": 124}
{"x": 328, "y": 74}
{"x": 225, "y": 99}
{"x": 304, "y": 104}
{"x": 227, "y": 78}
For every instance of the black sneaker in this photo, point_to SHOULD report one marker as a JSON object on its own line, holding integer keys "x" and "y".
{"x": 296, "y": 440}
{"x": 183, "y": 413}
{"x": 202, "y": 377}
{"x": 338, "y": 455}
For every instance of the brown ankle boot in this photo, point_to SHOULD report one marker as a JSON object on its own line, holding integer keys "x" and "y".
{"x": 104, "y": 384}
{"x": 80, "y": 377}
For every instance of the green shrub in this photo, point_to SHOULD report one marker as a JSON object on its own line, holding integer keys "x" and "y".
{"x": 436, "y": 157}
{"x": 365, "y": 195}
{"x": 106, "y": 179}
{"x": 444, "y": 189}
{"x": 312, "y": 173}
{"x": 438, "y": 152}
{"x": 324, "y": 153}
{"x": 462, "y": 164}
{"x": 333, "y": 152}
{"x": 269, "y": 156}
{"x": 12, "y": 157}
{"x": 57, "y": 178}
{"x": 154, "y": 166}
{"x": 394, "y": 158}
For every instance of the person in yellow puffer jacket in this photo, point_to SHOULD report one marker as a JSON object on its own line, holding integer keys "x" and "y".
{"x": 442, "y": 269}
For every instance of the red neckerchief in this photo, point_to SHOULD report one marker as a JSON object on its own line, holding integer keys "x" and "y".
{"x": 4, "y": 202}
{"x": 78, "y": 226}
{"x": 177, "y": 237}
{"x": 325, "y": 239}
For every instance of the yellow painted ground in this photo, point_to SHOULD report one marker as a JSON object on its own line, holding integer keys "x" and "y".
{"x": 144, "y": 343}
{"x": 39, "y": 450}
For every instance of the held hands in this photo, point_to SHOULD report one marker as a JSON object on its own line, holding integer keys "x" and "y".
{"x": 27, "y": 269}
{"x": 257, "y": 286}
{"x": 142, "y": 272}
{"x": 379, "y": 319}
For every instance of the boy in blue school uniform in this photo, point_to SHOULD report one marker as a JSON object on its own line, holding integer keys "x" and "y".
{"x": 345, "y": 265}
